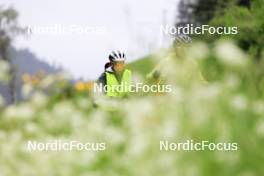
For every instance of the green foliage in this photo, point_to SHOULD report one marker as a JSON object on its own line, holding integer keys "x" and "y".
{"x": 244, "y": 14}
{"x": 250, "y": 25}
{"x": 200, "y": 12}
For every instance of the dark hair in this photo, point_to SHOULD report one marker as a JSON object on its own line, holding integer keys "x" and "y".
{"x": 108, "y": 64}
{"x": 111, "y": 58}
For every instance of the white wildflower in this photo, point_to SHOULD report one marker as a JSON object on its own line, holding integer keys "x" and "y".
{"x": 176, "y": 94}
{"x": 39, "y": 99}
{"x": 115, "y": 136}
{"x": 229, "y": 54}
{"x": 10, "y": 112}
{"x": 31, "y": 128}
{"x": 26, "y": 90}
{"x": 169, "y": 129}
{"x": 23, "y": 111}
{"x": 211, "y": 91}
{"x": 47, "y": 81}
{"x": 198, "y": 51}
{"x": 239, "y": 102}
{"x": 63, "y": 110}
{"x": 138, "y": 145}
{"x": 84, "y": 103}
{"x": 137, "y": 78}
{"x": 232, "y": 81}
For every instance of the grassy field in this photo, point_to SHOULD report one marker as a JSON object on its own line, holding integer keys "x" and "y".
{"x": 142, "y": 66}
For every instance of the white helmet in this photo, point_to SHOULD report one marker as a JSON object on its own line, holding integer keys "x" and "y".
{"x": 117, "y": 55}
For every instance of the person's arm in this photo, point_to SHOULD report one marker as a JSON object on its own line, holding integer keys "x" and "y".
{"x": 102, "y": 79}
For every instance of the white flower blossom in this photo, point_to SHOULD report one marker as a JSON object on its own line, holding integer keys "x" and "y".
{"x": 230, "y": 54}
{"x": 198, "y": 51}
{"x": 239, "y": 102}
{"x": 27, "y": 89}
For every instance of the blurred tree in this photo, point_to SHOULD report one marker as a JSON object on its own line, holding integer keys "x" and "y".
{"x": 185, "y": 12}
{"x": 202, "y": 11}
{"x": 245, "y": 14}
{"x": 9, "y": 28}
{"x": 250, "y": 25}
